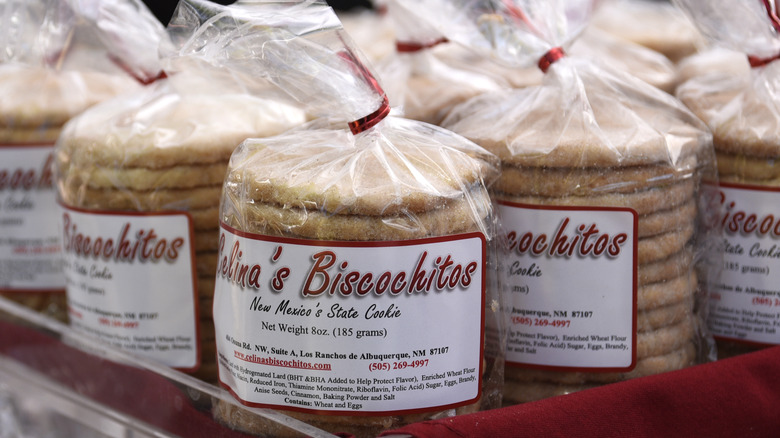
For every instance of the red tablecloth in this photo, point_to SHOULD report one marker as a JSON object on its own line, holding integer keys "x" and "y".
{"x": 736, "y": 397}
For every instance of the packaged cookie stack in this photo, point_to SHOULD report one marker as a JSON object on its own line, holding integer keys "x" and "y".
{"x": 743, "y": 111}
{"x": 139, "y": 178}
{"x": 53, "y": 66}
{"x": 600, "y": 205}
{"x": 354, "y": 288}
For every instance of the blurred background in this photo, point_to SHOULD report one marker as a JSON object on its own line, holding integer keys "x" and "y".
{"x": 163, "y": 9}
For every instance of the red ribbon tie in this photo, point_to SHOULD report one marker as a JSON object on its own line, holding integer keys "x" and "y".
{"x": 550, "y": 57}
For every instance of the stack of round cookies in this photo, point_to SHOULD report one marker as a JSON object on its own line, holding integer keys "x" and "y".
{"x": 742, "y": 111}
{"x": 400, "y": 182}
{"x": 613, "y": 143}
{"x": 35, "y": 105}
{"x": 166, "y": 151}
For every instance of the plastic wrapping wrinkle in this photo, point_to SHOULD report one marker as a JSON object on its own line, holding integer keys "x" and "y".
{"x": 326, "y": 84}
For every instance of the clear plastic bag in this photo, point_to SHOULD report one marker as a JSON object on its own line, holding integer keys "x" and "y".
{"x": 634, "y": 59}
{"x": 713, "y": 60}
{"x": 656, "y": 25}
{"x": 57, "y": 58}
{"x": 602, "y": 206}
{"x": 371, "y": 30}
{"x": 398, "y": 318}
{"x": 139, "y": 178}
{"x": 742, "y": 109}
{"x": 426, "y": 76}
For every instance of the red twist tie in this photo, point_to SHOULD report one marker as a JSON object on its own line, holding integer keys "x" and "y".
{"x": 550, "y": 57}
{"x": 409, "y": 47}
{"x": 369, "y": 121}
{"x": 755, "y": 61}
{"x": 142, "y": 80}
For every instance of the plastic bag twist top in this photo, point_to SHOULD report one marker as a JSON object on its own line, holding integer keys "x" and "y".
{"x": 742, "y": 108}
{"x": 57, "y": 34}
{"x": 750, "y": 27}
{"x": 411, "y": 34}
{"x": 514, "y": 33}
{"x": 299, "y": 46}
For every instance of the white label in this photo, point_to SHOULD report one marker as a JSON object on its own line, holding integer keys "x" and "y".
{"x": 131, "y": 281}
{"x": 569, "y": 276}
{"x": 382, "y": 327}
{"x": 30, "y": 258}
{"x": 745, "y": 304}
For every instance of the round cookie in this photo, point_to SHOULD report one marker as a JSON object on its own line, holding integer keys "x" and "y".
{"x": 646, "y": 128}
{"x": 171, "y": 129}
{"x": 205, "y": 305}
{"x": 774, "y": 182}
{"x": 655, "y": 295}
{"x": 207, "y": 328}
{"x": 661, "y": 246}
{"x": 664, "y": 339}
{"x": 152, "y": 200}
{"x": 23, "y": 135}
{"x": 376, "y": 181}
{"x": 35, "y": 97}
{"x": 562, "y": 181}
{"x": 206, "y": 263}
{"x": 206, "y": 240}
{"x": 665, "y": 269}
{"x": 455, "y": 217}
{"x": 145, "y": 179}
{"x": 673, "y": 360}
{"x": 523, "y": 392}
{"x": 762, "y": 168}
{"x": 651, "y": 319}
{"x": 662, "y": 221}
{"x": 206, "y": 287}
{"x": 643, "y": 202}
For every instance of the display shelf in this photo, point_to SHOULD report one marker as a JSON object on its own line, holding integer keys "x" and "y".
{"x": 57, "y": 382}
